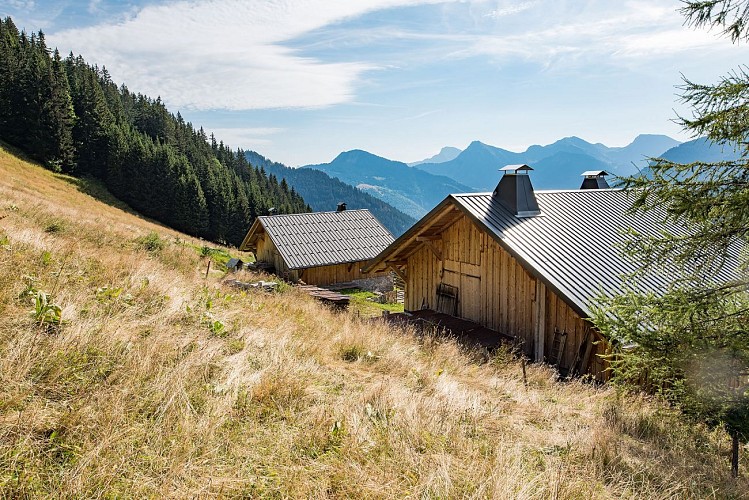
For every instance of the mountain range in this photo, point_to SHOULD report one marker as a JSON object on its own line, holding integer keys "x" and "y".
{"x": 557, "y": 165}
{"x": 409, "y": 189}
{"x": 446, "y": 154}
{"x": 323, "y": 193}
{"x": 416, "y": 189}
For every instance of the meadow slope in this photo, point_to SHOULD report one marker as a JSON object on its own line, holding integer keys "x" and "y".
{"x": 162, "y": 382}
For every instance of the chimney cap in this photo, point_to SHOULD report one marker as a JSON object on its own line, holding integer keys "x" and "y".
{"x": 515, "y": 192}
{"x": 515, "y": 168}
{"x": 595, "y": 173}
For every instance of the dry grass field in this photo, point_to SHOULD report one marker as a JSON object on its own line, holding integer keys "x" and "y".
{"x": 158, "y": 382}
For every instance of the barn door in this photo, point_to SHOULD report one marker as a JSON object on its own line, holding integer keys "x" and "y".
{"x": 470, "y": 293}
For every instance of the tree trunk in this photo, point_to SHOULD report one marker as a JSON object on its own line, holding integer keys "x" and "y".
{"x": 735, "y": 455}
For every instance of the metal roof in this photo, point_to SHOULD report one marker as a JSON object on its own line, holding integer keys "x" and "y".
{"x": 574, "y": 247}
{"x": 594, "y": 173}
{"x": 323, "y": 238}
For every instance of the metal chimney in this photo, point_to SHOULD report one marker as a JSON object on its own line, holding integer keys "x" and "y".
{"x": 272, "y": 211}
{"x": 595, "y": 179}
{"x": 515, "y": 191}
{"x": 341, "y": 207}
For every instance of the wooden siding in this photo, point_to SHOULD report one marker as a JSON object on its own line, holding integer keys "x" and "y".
{"x": 494, "y": 290}
{"x": 339, "y": 273}
{"x": 267, "y": 252}
{"x": 321, "y": 275}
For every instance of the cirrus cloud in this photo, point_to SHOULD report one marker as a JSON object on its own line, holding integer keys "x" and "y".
{"x": 226, "y": 54}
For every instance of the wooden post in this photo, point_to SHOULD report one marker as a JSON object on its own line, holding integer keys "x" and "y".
{"x": 525, "y": 376}
{"x": 539, "y": 313}
{"x": 735, "y": 454}
{"x": 208, "y": 269}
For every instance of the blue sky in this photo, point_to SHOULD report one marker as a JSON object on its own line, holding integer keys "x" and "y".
{"x": 302, "y": 80}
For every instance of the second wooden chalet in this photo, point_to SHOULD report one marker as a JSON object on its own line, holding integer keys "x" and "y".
{"x": 525, "y": 264}
{"x": 319, "y": 248}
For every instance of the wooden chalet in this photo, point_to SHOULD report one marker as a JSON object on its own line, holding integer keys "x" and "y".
{"x": 525, "y": 264}
{"x": 318, "y": 248}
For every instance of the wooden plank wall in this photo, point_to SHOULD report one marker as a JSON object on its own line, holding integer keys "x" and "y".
{"x": 267, "y": 252}
{"x": 495, "y": 290}
{"x": 561, "y": 317}
{"x": 423, "y": 272}
{"x": 339, "y": 273}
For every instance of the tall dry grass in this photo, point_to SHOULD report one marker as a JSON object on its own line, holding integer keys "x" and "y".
{"x": 140, "y": 394}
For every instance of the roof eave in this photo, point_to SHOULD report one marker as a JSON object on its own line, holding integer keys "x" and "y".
{"x": 245, "y": 246}
{"x": 411, "y": 233}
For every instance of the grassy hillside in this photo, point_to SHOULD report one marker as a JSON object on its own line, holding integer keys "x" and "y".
{"x": 160, "y": 382}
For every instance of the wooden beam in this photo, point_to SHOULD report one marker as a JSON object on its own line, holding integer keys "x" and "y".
{"x": 436, "y": 251}
{"x": 434, "y": 237}
{"x": 400, "y": 272}
{"x": 539, "y": 313}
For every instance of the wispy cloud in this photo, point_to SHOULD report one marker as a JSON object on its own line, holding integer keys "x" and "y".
{"x": 22, "y": 4}
{"x": 510, "y": 8}
{"x": 594, "y": 33}
{"x": 94, "y": 6}
{"x": 226, "y": 54}
{"x": 235, "y": 54}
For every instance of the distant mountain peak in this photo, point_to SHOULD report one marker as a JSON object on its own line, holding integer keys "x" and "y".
{"x": 447, "y": 153}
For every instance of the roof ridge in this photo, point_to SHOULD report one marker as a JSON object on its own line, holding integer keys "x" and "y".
{"x": 543, "y": 191}
{"x": 316, "y": 213}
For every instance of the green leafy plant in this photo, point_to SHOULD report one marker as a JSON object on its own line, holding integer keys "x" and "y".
{"x": 46, "y": 258}
{"x": 106, "y": 294}
{"x": 151, "y": 242}
{"x": 46, "y": 312}
{"x": 216, "y": 327}
{"x": 30, "y": 289}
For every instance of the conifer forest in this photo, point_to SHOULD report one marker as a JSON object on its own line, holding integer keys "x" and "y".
{"x": 74, "y": 119}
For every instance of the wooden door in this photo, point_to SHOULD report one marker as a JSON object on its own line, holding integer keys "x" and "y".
{"x": 470, "y": 293}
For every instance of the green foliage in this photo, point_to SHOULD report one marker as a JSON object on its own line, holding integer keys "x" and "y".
{"x": 55, "y": 226}
{"x": 151, "y": 242}
{"x": 46, "y": 313}
{"x": 30, "y": 289}
{"x": 108, "y": 295}
{"x": 215, "y": 326}
{"x": 691, "y": 342}
{"x": 357, "y": 352}
{"x": 362, "y": 301}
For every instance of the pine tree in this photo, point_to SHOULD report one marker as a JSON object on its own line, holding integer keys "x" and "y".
{"x": 692, "y": 343}
{"x": 74, "y": 118}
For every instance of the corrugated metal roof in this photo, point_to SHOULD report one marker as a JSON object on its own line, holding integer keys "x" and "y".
{"x": 575, "y": 244}
{"x": 326, "y": 238}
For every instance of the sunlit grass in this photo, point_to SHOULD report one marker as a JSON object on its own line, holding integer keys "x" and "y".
{"x": 361, "y": 304}
{"x": 138, "y": 392}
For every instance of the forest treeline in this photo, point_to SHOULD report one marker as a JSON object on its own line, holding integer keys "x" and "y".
{"x": 74, "y": 119}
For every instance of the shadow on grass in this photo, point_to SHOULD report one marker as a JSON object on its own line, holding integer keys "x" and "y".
{"x": 95, "y": 189}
